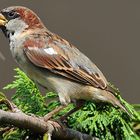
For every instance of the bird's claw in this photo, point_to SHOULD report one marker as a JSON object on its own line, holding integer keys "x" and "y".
{"x": 56, "y": 125}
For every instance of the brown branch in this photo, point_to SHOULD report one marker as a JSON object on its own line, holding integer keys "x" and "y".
{"x": 22, "y": 120}
{"x": 38, "y": 125}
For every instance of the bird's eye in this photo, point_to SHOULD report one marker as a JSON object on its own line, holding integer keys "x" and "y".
{"x": 12, "y": 14}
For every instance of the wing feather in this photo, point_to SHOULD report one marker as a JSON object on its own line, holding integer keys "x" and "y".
{"x": 66, "y": 61}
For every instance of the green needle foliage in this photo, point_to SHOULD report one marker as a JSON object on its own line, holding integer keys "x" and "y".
{"x": 97, "y": 119}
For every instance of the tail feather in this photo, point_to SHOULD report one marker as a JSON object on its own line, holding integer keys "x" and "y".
{"x": 113, "y": 92}
{"x": 116, "y": 102}
{"x": 119, "y": 104}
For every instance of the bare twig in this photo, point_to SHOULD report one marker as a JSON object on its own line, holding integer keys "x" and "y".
{"x": 38, "y": 125}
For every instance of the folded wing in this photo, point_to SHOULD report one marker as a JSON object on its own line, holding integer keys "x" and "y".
{"x": 64, "y": 59}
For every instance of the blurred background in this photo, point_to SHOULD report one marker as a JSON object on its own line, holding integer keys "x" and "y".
{"x": 108, "y": 32}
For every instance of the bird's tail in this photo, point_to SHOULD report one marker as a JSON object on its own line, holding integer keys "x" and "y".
{"x": 116, "y": 102}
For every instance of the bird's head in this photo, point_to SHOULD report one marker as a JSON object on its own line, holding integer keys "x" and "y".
{"x": 16, "y": 19}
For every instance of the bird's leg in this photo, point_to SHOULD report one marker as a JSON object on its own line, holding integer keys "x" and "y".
{"x": 56, "y": 110}
{"x": 79, "y": 104}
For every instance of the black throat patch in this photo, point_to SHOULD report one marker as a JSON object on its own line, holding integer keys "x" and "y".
{"x": 6, "y": 32}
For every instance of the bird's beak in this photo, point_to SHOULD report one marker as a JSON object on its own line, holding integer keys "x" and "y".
{"x": 3, "y": 20}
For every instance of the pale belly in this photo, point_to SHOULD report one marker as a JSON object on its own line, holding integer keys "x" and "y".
{"x": 66, "y": 89}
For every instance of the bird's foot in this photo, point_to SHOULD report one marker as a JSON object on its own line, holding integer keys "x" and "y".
{"x": 56, "y": 124}
{"x": 53, "y": 126}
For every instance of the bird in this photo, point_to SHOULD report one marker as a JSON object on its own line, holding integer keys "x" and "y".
{"x": 52, "y": 61}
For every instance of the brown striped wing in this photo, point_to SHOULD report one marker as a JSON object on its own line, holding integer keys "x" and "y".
{"x": 68, "y": 62}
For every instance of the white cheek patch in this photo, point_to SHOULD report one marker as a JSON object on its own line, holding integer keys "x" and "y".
{"x": 50, "y": 51}
{"x": 17, "y": 26}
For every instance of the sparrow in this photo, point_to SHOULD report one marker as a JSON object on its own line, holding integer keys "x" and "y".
{"x": 53, "y": 62}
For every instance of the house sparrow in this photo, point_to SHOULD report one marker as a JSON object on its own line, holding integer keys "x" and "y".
{"x": 52, "y": 61}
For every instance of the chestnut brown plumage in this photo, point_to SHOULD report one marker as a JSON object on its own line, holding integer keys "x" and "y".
{"x": 52, "y": 61}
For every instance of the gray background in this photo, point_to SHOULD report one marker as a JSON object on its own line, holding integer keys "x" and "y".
{"x": 107, "y": 31}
